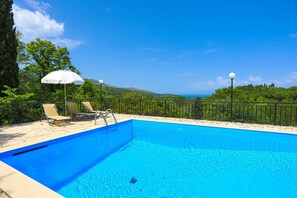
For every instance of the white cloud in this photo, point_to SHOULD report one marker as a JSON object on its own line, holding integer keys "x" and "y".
{"x": 254, "y": 79}
{"x": 289, "y": 80}
{"x": 158, "y": 61}
{"x": 210, "y": 51}
{"x": 204, "y": 86}
{"x": 154, "y": 59}
{"x": 35, "y": 24}
{"x": 211, "y": 85}
{"x": 185, "y": 54}
{"x": 70, "y": 44}
{"x": 293, "y": 75}
{"x": 293, "y": 36}
{"x": 38, "y": 5}
{"x": 210, "y": 43}
{"x": 38, "y": 24}
{"x": 222, "y": 81}
{"x": 245, "y": 82}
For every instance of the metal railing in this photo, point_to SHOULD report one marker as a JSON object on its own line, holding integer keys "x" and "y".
{"x": 249, "y": 112}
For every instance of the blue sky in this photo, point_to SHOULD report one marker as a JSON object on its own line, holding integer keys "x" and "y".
{"x": 179, "y": 47}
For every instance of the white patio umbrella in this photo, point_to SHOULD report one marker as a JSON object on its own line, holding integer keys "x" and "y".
{"x": 62, "y": 77}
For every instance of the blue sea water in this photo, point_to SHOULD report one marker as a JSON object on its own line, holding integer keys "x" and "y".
{"x": 151, "y": 159}
{"x": 196, "y": 95}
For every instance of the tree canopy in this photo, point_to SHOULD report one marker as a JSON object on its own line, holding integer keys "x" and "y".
{"x": 257, "y": 93}
{"x": 9, "y": 70}
{"x": 40, "y": 58}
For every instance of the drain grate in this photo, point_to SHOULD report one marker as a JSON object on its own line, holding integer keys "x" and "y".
{"x": 133, "y": 180}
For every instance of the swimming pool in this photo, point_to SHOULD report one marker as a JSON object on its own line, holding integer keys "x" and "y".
{"x": 154, "y": 159}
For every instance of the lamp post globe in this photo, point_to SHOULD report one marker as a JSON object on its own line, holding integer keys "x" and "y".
{"x": 232, "y": 75}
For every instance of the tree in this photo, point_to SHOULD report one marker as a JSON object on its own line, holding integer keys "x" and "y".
{"x": 9, "y": 69}
{"x": 88, "y": 90}
{"x": 259, "y": 93}
{"x": 272, "y": 85}
{"x": 21, "y": 49}
{"x": 135, "y": 95}
{"x": 12, "y": 95}
{"x": 43, "y": 57}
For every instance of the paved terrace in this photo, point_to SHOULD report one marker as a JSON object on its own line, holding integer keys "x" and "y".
{"x": 19, "y": 135}
{"x": 15, "y": 184}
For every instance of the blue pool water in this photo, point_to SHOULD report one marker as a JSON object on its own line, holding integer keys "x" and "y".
{"x": 151, "y": 159}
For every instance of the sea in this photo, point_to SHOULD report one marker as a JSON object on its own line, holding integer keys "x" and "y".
{"x": 195, "y": 95}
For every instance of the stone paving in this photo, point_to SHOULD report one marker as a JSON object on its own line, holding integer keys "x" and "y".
{"x": 13, "y": 136}
{"x": 3, "y": 194}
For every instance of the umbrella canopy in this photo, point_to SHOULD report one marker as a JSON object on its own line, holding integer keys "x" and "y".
{"x": 62, "y": 77}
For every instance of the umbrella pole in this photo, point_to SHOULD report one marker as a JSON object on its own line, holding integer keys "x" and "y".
{"x": 65, "y": 99}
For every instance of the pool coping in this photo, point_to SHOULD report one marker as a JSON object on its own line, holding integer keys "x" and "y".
{"x": 21, "y": 135}
{"x": 44, "y": 139}
{"x": 17, "y": 184}
{"x": 221, "y": 124}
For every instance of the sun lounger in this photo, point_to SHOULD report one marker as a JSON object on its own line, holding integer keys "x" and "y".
{"x": 51, "y": 113}
{"x": 89, "y": 108}
{"x": 76, "y": 114}
{"x": 104, "y": 114}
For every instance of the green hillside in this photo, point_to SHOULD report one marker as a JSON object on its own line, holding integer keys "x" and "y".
{"x": 119, "y": 92}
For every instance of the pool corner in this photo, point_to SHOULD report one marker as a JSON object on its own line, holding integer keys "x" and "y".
{"x": 18, "y": 185}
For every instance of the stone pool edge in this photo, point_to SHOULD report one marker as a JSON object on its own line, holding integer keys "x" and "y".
{"x": 16, "y": 184}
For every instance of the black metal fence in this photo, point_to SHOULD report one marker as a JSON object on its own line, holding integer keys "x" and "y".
{"x": 248, "y": 112}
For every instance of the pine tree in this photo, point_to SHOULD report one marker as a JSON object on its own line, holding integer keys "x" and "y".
{"x": 9, "y": 70}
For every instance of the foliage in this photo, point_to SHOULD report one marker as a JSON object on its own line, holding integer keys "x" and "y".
{"x": 21, "y": 49}
{"x": 133, "y": 95}
{"x": 257, "y": 93}
{"x": 42, "y": 57}
{"x": 88, "y": 90}
{"x": 15, "y": 107}
{"x": 9, "y": 70}
{"x": 12, "y": 95}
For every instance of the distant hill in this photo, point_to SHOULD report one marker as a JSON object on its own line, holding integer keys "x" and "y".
{"x": 119, "y": 91}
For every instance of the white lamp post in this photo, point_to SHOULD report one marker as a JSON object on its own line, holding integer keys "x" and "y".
{"x": 101, "y": 84}
{"x": 231, "y": 76}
